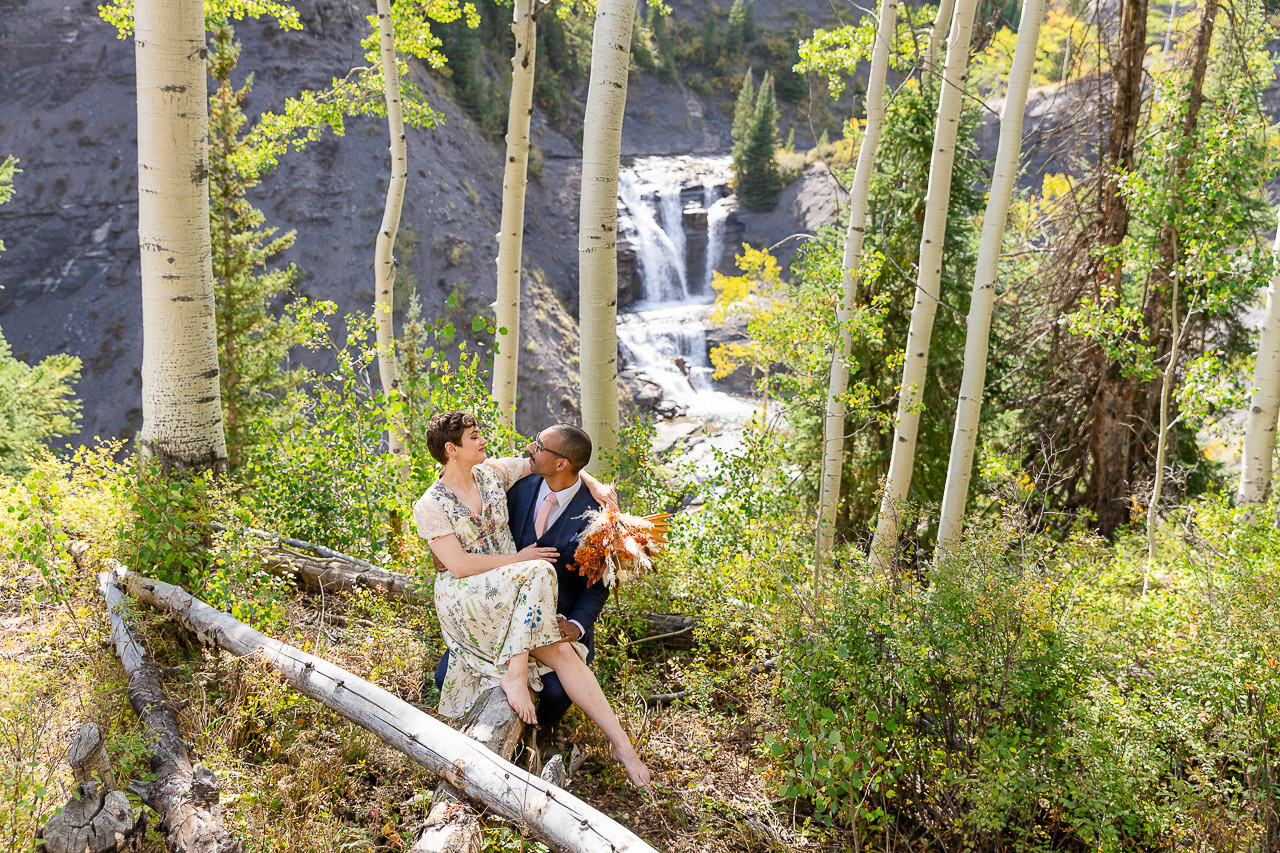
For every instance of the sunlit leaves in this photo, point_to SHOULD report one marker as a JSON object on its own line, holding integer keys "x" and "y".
{"x": 837, "y": 53}
{"x": 119, "y": 13}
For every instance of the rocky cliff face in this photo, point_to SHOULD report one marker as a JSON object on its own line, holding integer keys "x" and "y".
{"x": 70, "y": 276}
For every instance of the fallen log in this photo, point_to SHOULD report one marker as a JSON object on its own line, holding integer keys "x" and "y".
{"x": 554, "y": 816}
{"x": 318, "y": 550}
{"x": 673, "y": 630}
{"x": 185, "y": 797}
{"x": 94, "y": 820}
{"x": 334, "y": 574}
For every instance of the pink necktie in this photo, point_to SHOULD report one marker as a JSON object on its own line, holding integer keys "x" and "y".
{"x": 540, "y": 523}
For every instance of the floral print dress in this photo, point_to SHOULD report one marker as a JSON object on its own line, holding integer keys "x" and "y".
{"x": 489, "y": 617}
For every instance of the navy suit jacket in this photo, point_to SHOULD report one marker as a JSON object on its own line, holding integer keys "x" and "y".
{"x": 577, "y": 601}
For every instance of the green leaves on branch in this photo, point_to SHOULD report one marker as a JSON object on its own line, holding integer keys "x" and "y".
{"x": 119, "y": 13}
{"x": 307, "y": 116}
{"x": 360, "y": 93}
{"x": 838, "y": 53}
{"x": 1119, "y": 329}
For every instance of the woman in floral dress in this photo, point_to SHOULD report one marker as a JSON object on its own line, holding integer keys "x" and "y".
{"x": 497, "y": 606}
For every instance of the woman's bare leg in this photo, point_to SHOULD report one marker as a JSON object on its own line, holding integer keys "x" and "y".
{"x": 580, "y": 684}
{"x": 515, "y": 683}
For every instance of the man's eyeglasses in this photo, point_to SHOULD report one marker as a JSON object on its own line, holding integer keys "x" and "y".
{"x": 538, "y": 445}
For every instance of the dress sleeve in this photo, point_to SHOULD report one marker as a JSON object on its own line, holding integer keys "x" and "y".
{"x": 509, "y": 469}
{"x": 431, "y": 518}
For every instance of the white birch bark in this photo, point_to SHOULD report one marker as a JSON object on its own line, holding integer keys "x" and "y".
{"x": 598, "y": 225}
{"x": 977, "y": 336}
{"x": 938, "y": 34}
{"x": 384, "y": 264}
{"x": 884, "y": 543}
{"x": 833, "y": 425}
{"x": 506, "y": 364}
{"x": 181, "y": 402}
{"x": 1260, "y": 428}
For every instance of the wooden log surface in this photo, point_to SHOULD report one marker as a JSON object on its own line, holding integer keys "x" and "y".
{"x": 318, "y": 550}
{"x": 334, "y": 574}
{"x": 549, "y": 813}
{"x": 185, "y": 797}
{"x": 87, "y": 756}
{"x": 672, "y": 630}
{"x": 94, "y": 820}
{"x": 452, "y": 827}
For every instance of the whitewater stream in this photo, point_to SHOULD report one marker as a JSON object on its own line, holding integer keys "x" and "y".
{"x": 675, "y": 211}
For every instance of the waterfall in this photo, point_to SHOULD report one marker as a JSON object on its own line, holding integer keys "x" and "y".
{"x": 661, "y": 262}
{"x": 663, "y": 336}
{"x": 717, "y": 213}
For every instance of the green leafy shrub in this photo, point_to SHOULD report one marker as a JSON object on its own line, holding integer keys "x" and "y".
{"x": 1024, "y": 690}
{"x": 943, "y": 701}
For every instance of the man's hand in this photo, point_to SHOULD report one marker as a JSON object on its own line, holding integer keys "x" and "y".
{"x": 568, "y": 630}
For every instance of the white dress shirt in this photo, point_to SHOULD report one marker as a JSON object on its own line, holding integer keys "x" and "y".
{"x": 563, "y": 498}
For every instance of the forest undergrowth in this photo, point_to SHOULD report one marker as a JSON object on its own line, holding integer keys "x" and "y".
{"x": 1022, "y": 695}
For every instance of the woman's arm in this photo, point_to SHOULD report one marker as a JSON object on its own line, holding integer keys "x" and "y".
{"x": 512, "y": 469}
{"x": 460, "y": 564}
{"x": 604, "y": 494}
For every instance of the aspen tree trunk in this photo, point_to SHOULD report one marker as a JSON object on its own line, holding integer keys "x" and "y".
{"x": 1260, "y": 428}
{"x": 598, "y": 224}
{"x": 977, "y": 335}
{"x": 181, "y": 402}
{"x": 938, "y": 34}
{"x": 384, "y": 264}
{"x": 506, "y": 364}
{"x": 884, "y": 544}
{"x": 833, "y": 426}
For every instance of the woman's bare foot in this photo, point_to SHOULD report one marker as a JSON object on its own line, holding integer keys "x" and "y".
{"x": 515, "y": 683}
{"x": 637, "y": 772}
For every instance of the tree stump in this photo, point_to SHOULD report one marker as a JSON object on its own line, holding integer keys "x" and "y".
{"x": 88, "y": 757}
{"x": 451, "y": 826}
{"x": 94, "y": 820}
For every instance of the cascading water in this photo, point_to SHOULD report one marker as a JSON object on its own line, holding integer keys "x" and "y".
{"x": 717, "y": 212}
{"x": 662, "y": 336}
{"x": 660, "y": 256}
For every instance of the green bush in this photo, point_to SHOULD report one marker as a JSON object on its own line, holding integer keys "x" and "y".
{"x": 1024, "y": 690}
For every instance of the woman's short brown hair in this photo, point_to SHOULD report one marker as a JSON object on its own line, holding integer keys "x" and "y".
{"x": 447, "y": 428}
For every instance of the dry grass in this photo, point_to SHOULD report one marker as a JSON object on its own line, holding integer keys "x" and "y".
{"x": 297, "y": 777}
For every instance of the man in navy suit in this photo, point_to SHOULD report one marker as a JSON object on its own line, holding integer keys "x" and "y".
{"x": 548, "y": 507}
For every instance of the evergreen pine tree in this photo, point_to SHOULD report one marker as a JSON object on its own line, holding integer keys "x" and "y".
{"x": 641, "y": 55}
{"x": 749, "y": 21}
{"x": 757, "y": 177}
{"x": 710, "y": 47}
{"x": 735, "y": 32}
{"x": 666, "y": 49}
{"x": 253, "y": 339}
{"x": 36, "y": 403}
{"x": 792, "y": 87}
{"x": 742, "y": 114}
